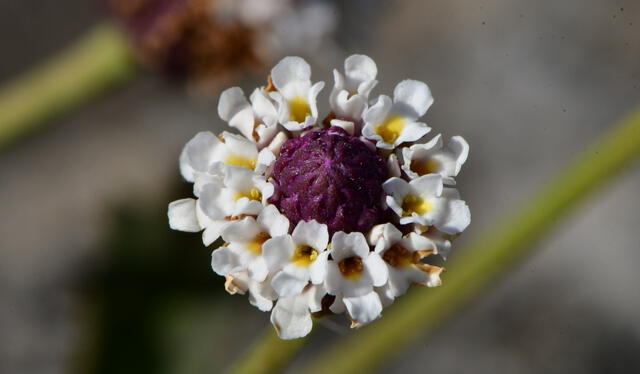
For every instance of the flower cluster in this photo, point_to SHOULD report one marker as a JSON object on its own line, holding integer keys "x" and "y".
{"x": 334, "y": 215}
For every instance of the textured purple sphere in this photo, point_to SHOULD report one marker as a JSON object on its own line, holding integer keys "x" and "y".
{"x": 332, "y": 177}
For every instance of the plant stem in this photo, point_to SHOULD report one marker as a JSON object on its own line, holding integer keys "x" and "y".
{"x": 100, "y": 60}
{"x": 486, "y": 260}
{"x": 269, "y": 355}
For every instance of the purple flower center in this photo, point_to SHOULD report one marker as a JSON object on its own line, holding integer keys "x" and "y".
{"x": 332, "y": 177}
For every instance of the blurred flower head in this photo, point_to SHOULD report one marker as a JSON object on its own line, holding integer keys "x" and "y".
{"x": 332, "y": 216}
{"x": 205, "y": 39}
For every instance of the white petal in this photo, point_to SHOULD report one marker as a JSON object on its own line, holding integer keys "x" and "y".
{"x": 225, "y": 261}
{"x": 258, "y": 269}
{"x": 377, "y": 269}
{"x": 318, "y": 270}
{"x": 234, "y": 108}
{"x": 182, "y": 215}
{"x": 211, "y": 201}
{"x": 460, "y": 149}
{"x": 348, "y": 245}
{"x": 383, "y": 236}
{"x": 291, "y": 317}
{"x": 360, "y": 68}
{"x": 397, "y": 188}
{"x": 262, "y": 105}
{"x": 314, "y": 298}
{"x": 286, "y": 284}
{"x": 415, "y": 242}
{"x": 338, "y": 306}
{"x": 393, "y": 166}
{"x": 311, "y": 233}
{"x": 364, "y": 309}
{"x": 238, "y": 145}
{"x": 277, "y": 142}
{"x": 399, "y": 281}
{"x": 375, "y": 115}
{"x": 426, "y": 186}
{"x": 291, "y": 76}
{"x": 312, "y": 98}
{"x": 347, "y": 126}
{"x": 334, "y": 279}
{"x": 412, "y": 97}
{"x": 242, "y": 231}
{"x": 412, "y": 132}
{"x": 278, "y": 252}
{"x": 196, "y": 154}
{"x": 271, "y": 219}
{"x": 457, "y": 217}
{"x": 265, "y": 159}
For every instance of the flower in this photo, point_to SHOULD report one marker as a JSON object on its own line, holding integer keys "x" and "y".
{"x": 339, "y": 215}
{"x": 391, "y": 123}
{"x": 296, "y": 96}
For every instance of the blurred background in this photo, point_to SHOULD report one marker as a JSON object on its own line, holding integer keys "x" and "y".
{"x": 93, "y": 280}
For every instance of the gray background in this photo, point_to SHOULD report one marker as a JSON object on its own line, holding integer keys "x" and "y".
{"x": 528, "y": 84}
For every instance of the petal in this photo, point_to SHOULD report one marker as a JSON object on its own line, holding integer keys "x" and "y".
{"x": 383, "y": 236}
{"x": 456, "y": 218}
{"x": 312, "y": 98}
{"x": 291, "y": 317}
{"x": 393, "y": 166}
{"x": 278, "y": 252}
{"x": 291, "y": 76}
{"x": 315, "y": 296}
{"x": 460, "y": 149}
{"x": 242, "y": 231}
{"x": 376, "y": 114}
{"x": 338, "y": 307}
{"x": 238, "y": 145}
{"x": 413, "y": 98}
{"x": 396, "y": 187}
{"x": 234, "y": 108}
{"x": 212, "y": 200}
{"x": 347, "y": 126}
{"x": 347, "y": 245}
{"x": 334, "y": 279}
{"x": 265, "y": 159}
{"x": 287, "y": 285}
{"x": 182, "y": 215}
{"x": 360, "y": 68}
{"x": 225, "y": 261}
{"x": 427, "y": 186}
{"x": 364, "y": 309}
{"x": 318, "y": 270}
{"x": 262, "y": 105}
{"x": 311, "y": 233}
{"x": 271, "y": 220}
{"x": 257, "y": 269}
{"x": 196, "y": 154}
{"x": 377, "y": 269}
{"x": 412, "y": 132}
{"x": 400, "y": 280}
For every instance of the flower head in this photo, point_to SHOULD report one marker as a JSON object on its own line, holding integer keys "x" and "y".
{"x": 339, "y": 215}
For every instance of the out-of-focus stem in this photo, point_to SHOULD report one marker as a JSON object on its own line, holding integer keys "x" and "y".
{"x": 486, "y": 260}
{"x": 100, "y": 60}
{"x": 268, "y": 355}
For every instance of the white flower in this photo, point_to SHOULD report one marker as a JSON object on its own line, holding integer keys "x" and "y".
{"x": 301, "y": 257}
{"x": 393, "y": 123}
{"x": 186, "y": 215}
{"x": 257, "y": 121}
{"x": 296, "y": 97}
{"x": 353, "y": 273}
{"x": 433, "y": 157}
{"x": 261, "y": 295}
{"x": 242, "y": 192}
{"x": 442, "y": 241}
{"x": 206, "y": 152}
{"x": 246, "y": 239}
{"x": 291, "y": 316}
{"x": 402, "y": 256}
{"x": 350, "y": 92}
{"x": 424, "y": 201}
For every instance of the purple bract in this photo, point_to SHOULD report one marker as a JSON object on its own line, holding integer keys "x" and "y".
{"x": 332, "y": 177}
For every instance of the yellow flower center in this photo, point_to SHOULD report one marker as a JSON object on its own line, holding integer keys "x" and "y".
{"x": 304, "y": 256}
{"x": 424, "y": 167}
{"x": 254, "y": 194}
{"x": 299, "y": 109}
{"x": 390, "y": 130}
{"x": 398, "y": 256}
{"x": 351, "y": 268}
{"x": 414, "y": 204}
{"x": 255, "y": 246}
{"x": 243, "y": 162}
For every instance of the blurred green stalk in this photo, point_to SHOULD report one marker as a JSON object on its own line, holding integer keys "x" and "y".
{"x": 100, "y": 60}
{"x": 268, "y": 355}
{"x": 485, "y": 260}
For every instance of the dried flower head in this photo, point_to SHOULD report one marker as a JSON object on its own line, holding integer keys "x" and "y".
{"x": 333, "y": 216}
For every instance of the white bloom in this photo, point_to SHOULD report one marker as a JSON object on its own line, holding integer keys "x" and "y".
{"x": 246, "y": 239}
{"x": 186, "y": 215}
{"x": 301, "y": 257}
{"x": 257, "y": 121}
{"x": 350, "y": 92}
{"x": 291, "y": 316}
{"x": 205, "y": 153}
{"x": 402, "y": 256}
{"x": 296, "y": 97}
{"x": 353, "y": 273}
{"x": 433, "y": 157}
{"x": 442, "y": 241}
{"x": 242, "y": 192}
{"x": 261, "y": 295}
{"x": 393, "y": 123}
{"x": 424, "y": 201}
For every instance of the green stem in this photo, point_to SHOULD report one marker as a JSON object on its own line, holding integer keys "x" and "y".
{"x": 97, "y": 62}
{"x": 268, "y": 355}
{"x": 486, "y": 260}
